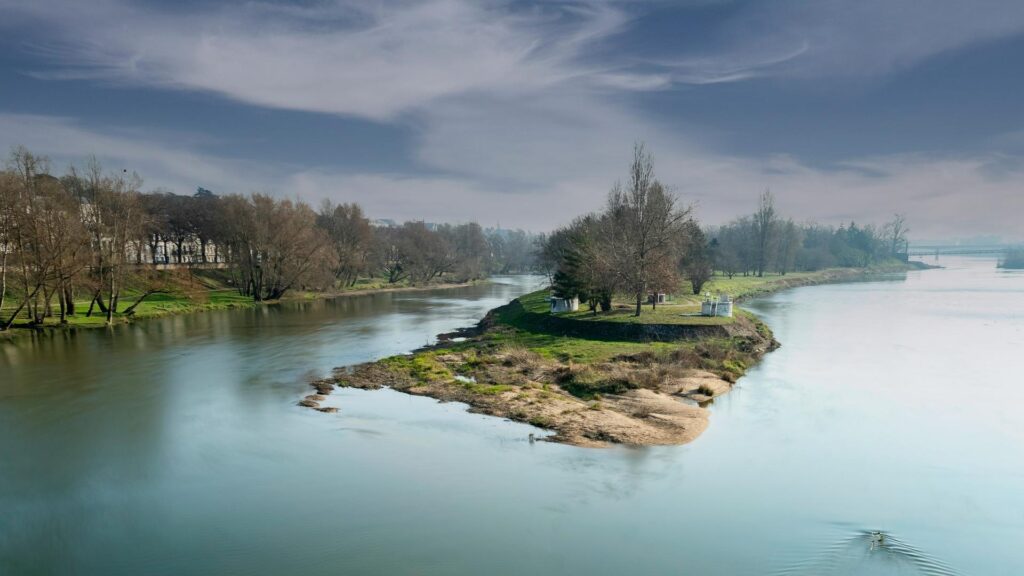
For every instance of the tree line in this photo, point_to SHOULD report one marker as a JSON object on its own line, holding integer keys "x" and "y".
{"x": 89, "y": 234}
{"x": 765, "y": 242}
{"x": 645, "y": 241}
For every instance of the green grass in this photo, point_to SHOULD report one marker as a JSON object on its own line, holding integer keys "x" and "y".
{"x": 423, "y": 367}
{"x": 155, "y": 305}
{"x": 746, "y": 286}
{"x": 530, "y": 325}
{"x": 202, "y": 290}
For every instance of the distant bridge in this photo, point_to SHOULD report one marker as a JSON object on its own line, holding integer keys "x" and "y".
{"x": 954, "y": 250}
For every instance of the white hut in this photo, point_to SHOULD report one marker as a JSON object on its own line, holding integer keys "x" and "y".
{"x": 559, "y": 304}
{"x": 720, "y": 307}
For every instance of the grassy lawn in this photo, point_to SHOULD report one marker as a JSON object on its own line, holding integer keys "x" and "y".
{"x": 747, "y": 286}
{"x": 591, "y": 338}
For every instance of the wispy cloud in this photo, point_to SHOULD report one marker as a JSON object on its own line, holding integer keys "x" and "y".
{"x": 839, "y": 38}
{"x": 374, "y": 60}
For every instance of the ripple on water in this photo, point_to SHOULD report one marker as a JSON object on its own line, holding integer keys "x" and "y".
{"x": 873, "y": 552}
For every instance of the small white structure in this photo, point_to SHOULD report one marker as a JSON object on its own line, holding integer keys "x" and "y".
{"x": 564, "y": 304}
{"x": 720, "y": 307}
{"x": 657, "y": 298}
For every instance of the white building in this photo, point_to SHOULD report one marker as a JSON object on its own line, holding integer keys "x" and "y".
{"x": 720, "y": 307}
{"x": 564, "y": 304}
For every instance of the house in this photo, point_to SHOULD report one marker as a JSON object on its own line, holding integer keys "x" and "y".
{"x": 559, "y": 304}
{"x": 720, "y": 307}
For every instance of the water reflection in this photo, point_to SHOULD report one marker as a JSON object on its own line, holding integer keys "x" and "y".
{"x": 175, "y": 447}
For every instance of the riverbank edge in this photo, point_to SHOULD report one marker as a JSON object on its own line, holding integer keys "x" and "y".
{"x": 18, "y": 331}
{"x": 640, "y": 416}
{"x": 835, "y": 276}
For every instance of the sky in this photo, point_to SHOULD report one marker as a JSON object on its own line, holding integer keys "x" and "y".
{"x": 525, "y": 113}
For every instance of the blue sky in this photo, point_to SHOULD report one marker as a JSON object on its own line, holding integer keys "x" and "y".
{"x": 525, "y": 113}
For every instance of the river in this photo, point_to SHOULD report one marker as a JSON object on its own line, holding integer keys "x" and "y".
{"x": 174, "y": 446}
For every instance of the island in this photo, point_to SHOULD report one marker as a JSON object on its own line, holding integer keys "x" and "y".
{"x": 592, "y": 379}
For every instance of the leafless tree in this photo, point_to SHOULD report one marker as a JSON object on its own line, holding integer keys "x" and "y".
{"x": 276, "y": 246}
{"x": 351, "y": 237}
{"x": 765, "y": 224}
{"x": 788, "y": 245}
{"x": 8, "y": 215}
{"x": 895, "y": 232}
{"x": 646, "y": 224}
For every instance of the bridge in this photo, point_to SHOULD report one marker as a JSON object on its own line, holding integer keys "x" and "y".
{"x": 960, "y": 250}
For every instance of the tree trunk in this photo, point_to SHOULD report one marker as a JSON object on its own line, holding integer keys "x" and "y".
{"x": 639, "y": 303}
{"x": 3, "y": 279}
{"x": 110, "y": 309}
{"x": 69, "y": 299}
{"x": 61, "y": 303}
{"x": 10, "y": 321}
{"x": 88, "y": 313}
{"x": 131, "y": 309}
{"x": 39, "y": 315}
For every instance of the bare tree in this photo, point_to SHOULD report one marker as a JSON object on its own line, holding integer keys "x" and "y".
{"x": 646, "y": 224}
{"x": 276, "y": 246}
{"x": 116, "y": 220}
{"x": 895, "y": 233}
{"x": 426, "y": 254}
{"x": 391, "y": 254}
{"x": 470, "y": 250}
{"x": 352, "y": 239}
{"x": 789, "y": 239}
{"x": 765, "y": 224}
{"x": 8, "y": 215}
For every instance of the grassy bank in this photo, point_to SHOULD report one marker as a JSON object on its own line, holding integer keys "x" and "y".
{"x": 185, "y": 292}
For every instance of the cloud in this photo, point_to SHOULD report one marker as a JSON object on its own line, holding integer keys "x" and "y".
{"x": 373, "y": 60}
{"x": 842, "y": 39}
{"x": 511, "y": 122}
{"x": 382, "y": 59}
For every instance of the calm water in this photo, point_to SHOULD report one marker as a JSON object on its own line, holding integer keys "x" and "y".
{"x": 175, "y": 447}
